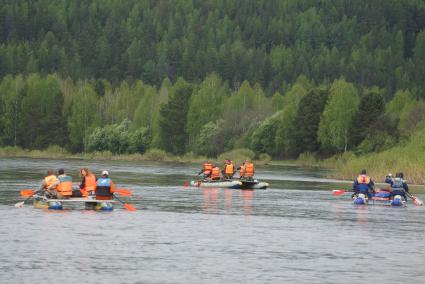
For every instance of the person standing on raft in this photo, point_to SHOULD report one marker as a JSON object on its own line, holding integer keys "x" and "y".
{"x": 363, "y": 184}
{"x": 228, "y": 170}
{"x": 248, "y": 170}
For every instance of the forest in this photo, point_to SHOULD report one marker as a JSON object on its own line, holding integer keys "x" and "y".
{"x": 283, "y": 78}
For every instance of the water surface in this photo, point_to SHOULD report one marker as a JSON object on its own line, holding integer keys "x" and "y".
{"x": 293, "y": 232}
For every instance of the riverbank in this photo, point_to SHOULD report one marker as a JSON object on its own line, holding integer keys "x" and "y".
{"x": 153, "y": 155}
{"x": 344, "y": 167}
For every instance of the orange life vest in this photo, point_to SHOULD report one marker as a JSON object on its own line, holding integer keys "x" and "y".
{"x": 215, "y": 173}
{"x": 89, "y": 185}
{"x": 363, "y": 179}
{"x": 208, "y": 168}
{"x": 65, "y": 186}
{"x": 249, "y": 170}
{"x": 229, "y": 169}
{"x": 49, "y": 180}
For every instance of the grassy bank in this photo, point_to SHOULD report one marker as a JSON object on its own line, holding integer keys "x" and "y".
{"x": 56, "y": 152}
{"x": 408, "y": 158}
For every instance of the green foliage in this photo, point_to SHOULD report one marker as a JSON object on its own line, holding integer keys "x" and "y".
{"x": 307, "y": 121}
{"x": 206, "y": 104}
{"x": 206, "y": 76}
{"x": 139, "y": 140}
{"x": 173, "y": 118}
{"x": 117, "y": 139}
{"x": 42, "y": 123}
{"x": 285, "y": 135}
{"x": 371, "y": 107}
{"x": 263, "y": 137}
{"x": 155, "y": 155}
{"x": 408, "y": 158}
{"x": 83, "y": 117}
{"x": 237, "y": 155}
{"x": 338, "y": 115}
{"x": 11, "y": 93}
{"x": 307, "y": 159}
{"x": 209, "y": 142}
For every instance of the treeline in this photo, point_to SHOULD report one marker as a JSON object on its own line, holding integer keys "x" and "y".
{"x": 206, "y": 119}
{"x": 269, "y": 42}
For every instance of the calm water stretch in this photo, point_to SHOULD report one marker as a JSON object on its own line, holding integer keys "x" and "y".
{"x": 293, "y": 232}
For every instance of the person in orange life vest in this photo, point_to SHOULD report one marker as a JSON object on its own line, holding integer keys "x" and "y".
{"x": 206, "y": 170}
{"x": 63, "y": 185}
{"x": 215, "y": 173}
{"x": 363, "y": 184}
{"x": 88, "y": 183}
{"x": 49, "y": 183}
{"x": 228, "y": 170}
{"x": 249, "y": 170}
{"x": 105, "y": 187}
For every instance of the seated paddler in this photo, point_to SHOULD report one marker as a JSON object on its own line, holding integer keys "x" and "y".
{"x": 49, "y": 184}
{"x": 206, "y": 170}
{"x": 63, "y": 185}
{"x": 88, "y": 182}
{"x": 398, "y": 186}
{"x": 363, "y": 184}
{"x": 105, "y": 187}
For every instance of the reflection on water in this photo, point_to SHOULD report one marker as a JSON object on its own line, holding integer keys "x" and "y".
{"x": 294, "y": 232}
{"x": 213, "y": 197}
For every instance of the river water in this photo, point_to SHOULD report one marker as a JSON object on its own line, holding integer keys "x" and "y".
{"x": 293, "y": 232}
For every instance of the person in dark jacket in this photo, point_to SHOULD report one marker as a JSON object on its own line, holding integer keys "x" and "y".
{"x": 398, "y": 186}
{"x": 364, "y": 184}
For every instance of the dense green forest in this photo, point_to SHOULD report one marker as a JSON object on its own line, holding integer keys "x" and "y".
{"x": 207, "y": 76}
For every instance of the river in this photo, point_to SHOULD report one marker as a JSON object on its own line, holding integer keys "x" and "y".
{"x": 293, "y": 232}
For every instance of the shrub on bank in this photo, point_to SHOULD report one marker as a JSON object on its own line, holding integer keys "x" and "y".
{"x": 156, "y": 155}
{"x": 307, "y": 159}
{"x": 237, "y": 155}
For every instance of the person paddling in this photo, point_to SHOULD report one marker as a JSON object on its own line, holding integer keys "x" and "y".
{"x": 215, "y": 173}
{"x": 363, "y": 184}
{"x": 398, "y": 186}
{"x": 206, "y": 170}
{"x": 88, "y": 183}
{"x": 105, "y": 187}
{"x": 49, "y": 183}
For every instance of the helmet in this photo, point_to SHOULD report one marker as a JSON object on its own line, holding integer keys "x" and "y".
{"x": 105, "y": 173}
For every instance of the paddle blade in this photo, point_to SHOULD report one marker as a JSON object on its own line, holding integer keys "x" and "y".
{"x": 129, "y": 207}
{"x": 417, "y": 201}
{"x": 123, "y": 192}
{"x": 337, "y": 192}
{"x": 27, "y": 192}
{"x": 19, "y": 204}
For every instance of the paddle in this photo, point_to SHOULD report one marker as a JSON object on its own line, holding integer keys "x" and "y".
{"x": 27, "y": 192}
{"x": 127, "y": 206}
{"x": 123, "y": 191}
{"x": 20, "y": 204}
{"x": 337, "y": 192}
{"x": 415, "y": 200}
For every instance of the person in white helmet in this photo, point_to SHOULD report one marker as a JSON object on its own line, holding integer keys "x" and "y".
{"x": 105, "y": 187}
